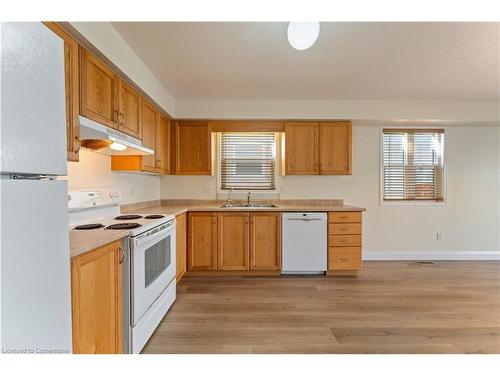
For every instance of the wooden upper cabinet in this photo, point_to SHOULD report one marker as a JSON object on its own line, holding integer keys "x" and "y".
{"x": 163, "y": 145}
{"x": 265, "y": 241}
{"x": 96, "y": 292}
{"x": 233, "y": 241}
{"x": 193, "y": 148}
{"x": 98, "y": 90}
{"x": 71, "y": 90}
{"x": 129, "y": 115}
{"x": 322, "y": 147}
{"x": 150, "y": 123}
{"x": 301, "y": 148}
{"x": 202, "y": 241}
{"x": 335, "y": 147}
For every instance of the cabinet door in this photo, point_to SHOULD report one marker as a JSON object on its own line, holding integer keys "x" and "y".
{"x": 150, "y": 120}
{"x": 193, "y": 148}
{"x": 163, "y": 145}
{"x": 265, "y": 241}
{"x": 129, "y": 116}
{"x": 301, "y": 148}
{"x": 233, "y": 241}
{"x": 71, "y": 90}
{"x": 202, "y": 241}
{"x": 96, "y": 283}
{"x": 180, "y": 245}
{"x": 98, "y": 90}
{"x": 335, "y": 147}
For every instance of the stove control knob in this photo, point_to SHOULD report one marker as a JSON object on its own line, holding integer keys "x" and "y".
{"x": 110, "y": 194}
{"x": 116, "y": 194}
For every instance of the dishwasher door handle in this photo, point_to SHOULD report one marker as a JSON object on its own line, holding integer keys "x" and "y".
{"x": 305, "y": 218}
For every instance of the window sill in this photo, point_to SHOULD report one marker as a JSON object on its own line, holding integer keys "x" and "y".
{"x": 412, "y": 203}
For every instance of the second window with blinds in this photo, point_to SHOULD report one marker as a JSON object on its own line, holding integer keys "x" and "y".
{"x": 247, "y": 161}
{"x": 413, "y": 165}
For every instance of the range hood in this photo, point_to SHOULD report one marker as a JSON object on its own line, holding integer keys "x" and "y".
{"x": 100, "y": 138}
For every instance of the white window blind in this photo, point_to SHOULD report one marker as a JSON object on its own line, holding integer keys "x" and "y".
{"x": 413, "y": 164}
{"x": 248, "y": 161}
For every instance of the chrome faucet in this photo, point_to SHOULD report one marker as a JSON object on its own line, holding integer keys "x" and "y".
{"x": 248, "y": 199}
{"x": 229, "y": 200}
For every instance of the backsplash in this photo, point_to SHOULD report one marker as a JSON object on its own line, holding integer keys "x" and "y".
{"x": 94, "y": 170}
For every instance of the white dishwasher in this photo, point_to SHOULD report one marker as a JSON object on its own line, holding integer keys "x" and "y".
{"x": 304, "y": 242}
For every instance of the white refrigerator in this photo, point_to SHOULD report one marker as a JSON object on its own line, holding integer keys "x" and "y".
{"x": 35, "y": 293}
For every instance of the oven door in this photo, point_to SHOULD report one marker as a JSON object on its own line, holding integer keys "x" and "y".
{"x": 153, "y": 266}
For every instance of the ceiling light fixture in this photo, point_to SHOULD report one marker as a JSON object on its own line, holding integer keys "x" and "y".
{"x": 302, "y": 35}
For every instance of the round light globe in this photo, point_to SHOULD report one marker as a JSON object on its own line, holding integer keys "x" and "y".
{"x": 302, "y": 35}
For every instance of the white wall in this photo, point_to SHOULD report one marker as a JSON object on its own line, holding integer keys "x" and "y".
{"x": 94, "y": 170}
{"x": 107, "y": 40}
{"x": 447, "y": 110}
{"x": 468, "y": 222}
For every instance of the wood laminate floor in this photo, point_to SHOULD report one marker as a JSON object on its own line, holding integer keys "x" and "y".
{"x": 391, "y": 307}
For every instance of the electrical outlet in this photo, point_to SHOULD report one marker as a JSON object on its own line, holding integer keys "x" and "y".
{"x": 438, "y": 236}
{"x": 208, "y": 189}
{"x": 131, "y": 191}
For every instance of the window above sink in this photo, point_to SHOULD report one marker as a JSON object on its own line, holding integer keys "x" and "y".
{"x": 247, "y": 162}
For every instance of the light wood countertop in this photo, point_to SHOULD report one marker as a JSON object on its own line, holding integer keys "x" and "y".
{"x": 83, "y": 241}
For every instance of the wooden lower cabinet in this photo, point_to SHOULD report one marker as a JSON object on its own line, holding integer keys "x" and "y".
{"x": 265, "y": 241}
{"x": 202, "y": 241}
{"x": 180, "y": 245}
{"x": 96, "y": 288}
{"x": 228, "y": 242}
{"x": 233, "y": 241}
{"x": 344, "y": 242}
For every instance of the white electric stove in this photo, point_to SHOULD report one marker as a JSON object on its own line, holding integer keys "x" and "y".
{"x": 149, "y": 265}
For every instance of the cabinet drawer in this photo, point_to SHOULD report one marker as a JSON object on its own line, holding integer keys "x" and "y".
{"x": 347, "y": 228}
{"x": 344, "y": 217}
{"x": 344, "y": 240}
{"x": 344, "y": 258}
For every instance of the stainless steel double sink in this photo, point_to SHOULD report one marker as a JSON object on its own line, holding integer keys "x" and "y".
{"x": 250, "y": 205}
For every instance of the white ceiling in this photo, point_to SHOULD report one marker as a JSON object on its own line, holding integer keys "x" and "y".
{"x": 349, "y": 61}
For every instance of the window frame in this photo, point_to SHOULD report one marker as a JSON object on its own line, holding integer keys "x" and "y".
{"x": 402, "y": 202}
{"x": 218, "y": 168}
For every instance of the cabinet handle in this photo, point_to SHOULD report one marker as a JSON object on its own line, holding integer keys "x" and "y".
{"x": 344, "y": 259}
{"x": 78, "y": 144}
{"x": 122, "y": 255}
{"x": 120, "y": 122}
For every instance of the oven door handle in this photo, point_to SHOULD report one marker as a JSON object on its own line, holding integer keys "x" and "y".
{"x": 150, "y": 235}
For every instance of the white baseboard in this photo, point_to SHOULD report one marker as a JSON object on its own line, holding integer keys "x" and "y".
{"x": 431, "y": 255}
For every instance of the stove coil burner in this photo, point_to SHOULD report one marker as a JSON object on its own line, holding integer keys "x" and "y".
{"x": 154, "y": 217}
{"x": 88, "y": 226}
{"x": 123, "y": 226}
{"x": 128, "y": 217}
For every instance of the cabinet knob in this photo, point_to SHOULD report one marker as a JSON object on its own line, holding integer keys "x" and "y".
{"x": 120, "y": 121}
